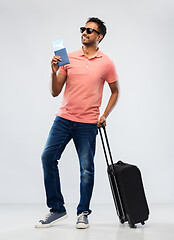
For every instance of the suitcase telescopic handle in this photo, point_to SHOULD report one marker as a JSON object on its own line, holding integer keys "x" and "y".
{"x": 111, "y": 167}
{"x": 101, "y": 136}
{"x": 108, "y": 146}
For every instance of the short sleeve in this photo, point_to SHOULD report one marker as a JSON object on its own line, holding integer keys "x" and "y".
{"x": 63, "y": 70}
{"x": 111, "y": 75}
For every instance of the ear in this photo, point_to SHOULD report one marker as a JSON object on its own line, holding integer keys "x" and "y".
{"x": 100, "y": 36}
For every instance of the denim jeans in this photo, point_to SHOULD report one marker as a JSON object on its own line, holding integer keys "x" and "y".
{"x": 84, "y": 138}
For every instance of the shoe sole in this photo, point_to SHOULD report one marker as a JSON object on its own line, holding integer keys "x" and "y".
{"x": 82, "y": 226}
{"x": 50, "y": 224}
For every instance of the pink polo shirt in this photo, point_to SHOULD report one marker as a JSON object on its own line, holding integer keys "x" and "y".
{"x": 84, "y": 86}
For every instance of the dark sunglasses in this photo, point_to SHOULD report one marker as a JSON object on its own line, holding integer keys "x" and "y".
{"x": 88, "y": 30}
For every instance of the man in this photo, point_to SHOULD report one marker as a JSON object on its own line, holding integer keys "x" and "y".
{"x": 78, "y": 119}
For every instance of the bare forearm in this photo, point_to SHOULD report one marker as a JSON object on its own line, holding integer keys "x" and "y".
{"x": 111, "y": 104}
{"x": 57, "y": 82}
{"x": 57, "y": 79}
{"x": 54, "y": 85}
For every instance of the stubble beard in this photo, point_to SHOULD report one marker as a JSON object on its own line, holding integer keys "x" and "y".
{"x": 87, "y": 43}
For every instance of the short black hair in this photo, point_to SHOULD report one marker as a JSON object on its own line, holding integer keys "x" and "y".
{"x": 100, "y": 23}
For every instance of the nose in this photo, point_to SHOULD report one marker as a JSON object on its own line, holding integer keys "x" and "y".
{"x": 85, "y": 34}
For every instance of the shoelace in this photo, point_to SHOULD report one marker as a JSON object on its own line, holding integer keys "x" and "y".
{"x": 82, "y": 217}
{"x": 46, "y": 217}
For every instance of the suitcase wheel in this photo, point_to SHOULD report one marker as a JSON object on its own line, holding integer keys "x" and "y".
{"x": 131, "y": 225}
{"x": 121, "y": 221}
{"x": 142, "y": 223}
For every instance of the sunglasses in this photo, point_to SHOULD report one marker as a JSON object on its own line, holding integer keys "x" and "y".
{"x": 88, "y": 30}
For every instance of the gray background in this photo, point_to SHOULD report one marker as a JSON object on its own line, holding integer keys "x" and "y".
{"x": 140, "y": 42}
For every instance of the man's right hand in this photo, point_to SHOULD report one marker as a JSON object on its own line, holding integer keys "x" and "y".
{"x": 54, "y": 63}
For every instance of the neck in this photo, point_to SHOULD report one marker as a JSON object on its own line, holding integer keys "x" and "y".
{"x": 90, "y": 50}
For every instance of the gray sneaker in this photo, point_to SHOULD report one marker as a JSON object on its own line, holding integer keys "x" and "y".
{"x": 82, "y": 220}
{"x": 50, "y": 219}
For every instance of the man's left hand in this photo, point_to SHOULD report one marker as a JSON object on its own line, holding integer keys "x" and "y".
{"x": 102, "y": 120}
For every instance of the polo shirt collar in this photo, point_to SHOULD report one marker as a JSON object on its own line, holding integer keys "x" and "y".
{"x": 98, "y": 53}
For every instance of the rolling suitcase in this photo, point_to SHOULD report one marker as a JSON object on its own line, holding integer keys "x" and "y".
{"x": 127, "y": 189}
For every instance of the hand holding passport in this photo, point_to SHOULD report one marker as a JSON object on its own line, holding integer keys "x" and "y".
{"x": 60, "y": 50}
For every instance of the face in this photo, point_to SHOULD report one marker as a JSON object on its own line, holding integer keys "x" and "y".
{"x": 93, "y": 38}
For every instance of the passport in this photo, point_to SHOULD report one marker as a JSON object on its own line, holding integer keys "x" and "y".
{"x": 64, "y": 56}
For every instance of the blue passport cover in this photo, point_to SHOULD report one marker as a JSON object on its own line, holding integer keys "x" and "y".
{"x": 64, "y": 56}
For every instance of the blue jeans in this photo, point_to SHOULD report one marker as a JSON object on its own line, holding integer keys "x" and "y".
{"x": 84, "y": 137}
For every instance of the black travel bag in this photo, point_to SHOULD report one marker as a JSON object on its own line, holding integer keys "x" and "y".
{"x": 127, "y": 188}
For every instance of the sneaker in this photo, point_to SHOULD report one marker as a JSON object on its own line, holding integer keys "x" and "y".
{"x": 82, "y": 220}
{"x": 50, "y": 219}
